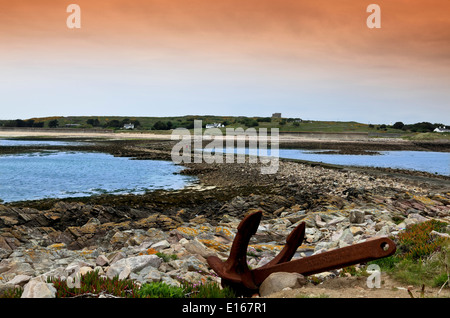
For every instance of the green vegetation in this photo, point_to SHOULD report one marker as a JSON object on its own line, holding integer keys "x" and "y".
{"x": 93, "y": 285}
{"x": 186, "y": 290}
{"x": 417, "y": 131}
{"x": 422, "y": 257}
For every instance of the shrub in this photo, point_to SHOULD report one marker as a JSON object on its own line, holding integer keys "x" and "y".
{"x": 207, "y": 290}
{"x": 420, "y": 256}
{"x": 160, "y": 290}
{"x": 416, "y": 241}
{"x": 92, "y": 283}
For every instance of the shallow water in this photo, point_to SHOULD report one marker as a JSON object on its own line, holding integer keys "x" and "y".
{"x": 54, "y": 174}
{"x": 14, "y": 142}
{"x": 432, "y": 162}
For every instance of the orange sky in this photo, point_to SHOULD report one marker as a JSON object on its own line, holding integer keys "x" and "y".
{"x": 322, "y": 38}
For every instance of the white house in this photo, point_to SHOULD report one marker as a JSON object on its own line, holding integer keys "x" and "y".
{"x": 441, "y": 130}
{"x": 128, "y": 126}
{"x": 215, "y": 125}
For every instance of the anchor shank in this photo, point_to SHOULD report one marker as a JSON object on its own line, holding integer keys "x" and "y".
{"x": 342, "y": 257}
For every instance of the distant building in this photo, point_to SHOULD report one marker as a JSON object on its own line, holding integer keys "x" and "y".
{"x": 72, "y": 125}
{"x": 276, "y": 115}
{"x": 441, "y": 130}
{"x": 128, "y": 126}
{"x": 215, "y": 125}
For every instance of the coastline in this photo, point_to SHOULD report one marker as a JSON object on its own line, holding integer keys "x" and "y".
{"x": 324, "y": 196}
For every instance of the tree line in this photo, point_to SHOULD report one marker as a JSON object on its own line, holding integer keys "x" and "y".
{"x": 417, "y": 127}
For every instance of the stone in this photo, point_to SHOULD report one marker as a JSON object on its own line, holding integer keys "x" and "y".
{"x": 336, "y": 221}
{"x": 84, "y": 270}
{"x": 117, "y": 257}
{"x": 125, "y": 273}
{"x": 102, "y": 260}
{"x": 161, "y": 245}
{"x": 36, "y": 288}
{"x": 356, "y": 230}
{"x": 438, "y": 234}
{"x": 346, "y": 237}
{"x": 277, "y": 281}
{"x": 189, "y": 264}
{"x": 135, "y": 264}
{"x": 20, "y": 280}
{"x": 198, "y": 248}
{"x": 384, "y": 231}
{"x": 356, "y": 216}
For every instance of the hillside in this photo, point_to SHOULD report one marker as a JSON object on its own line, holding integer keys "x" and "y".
{"x": 165, "y": 124}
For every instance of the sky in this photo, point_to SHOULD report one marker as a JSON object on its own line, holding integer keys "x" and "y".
{"x": 315, "y": 60}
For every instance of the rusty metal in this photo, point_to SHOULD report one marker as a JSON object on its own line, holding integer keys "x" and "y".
{"x": 235, "y": 273}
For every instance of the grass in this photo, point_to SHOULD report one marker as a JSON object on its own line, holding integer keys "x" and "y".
{"x": 427, "y": 136}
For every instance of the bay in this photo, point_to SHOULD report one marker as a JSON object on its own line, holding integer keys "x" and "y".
{"x": 58, "y": 174}
{"x": 427, "y": 161}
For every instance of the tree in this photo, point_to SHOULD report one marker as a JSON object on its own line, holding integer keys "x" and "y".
{"x": 398, "y": 125}
{"x": 159, "y": 125}
{"x": 249, "y": 122}
{"x": 93, "y": 122}
{"x": 53, "y": 123}
{"x": 264, "y": 120}
{"x": 114, "y": 124}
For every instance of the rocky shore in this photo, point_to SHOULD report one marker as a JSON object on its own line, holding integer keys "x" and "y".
{"x": 167, "y": 235}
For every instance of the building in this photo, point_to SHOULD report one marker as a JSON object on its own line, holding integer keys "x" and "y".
{"x": 128, "y": 126}
{"x": 215, "y": 125}
{"x": 441, "y": 130}
{"x": 276, "y": 115}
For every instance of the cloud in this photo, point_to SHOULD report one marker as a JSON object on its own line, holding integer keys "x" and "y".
{"x": 246, "y": 52}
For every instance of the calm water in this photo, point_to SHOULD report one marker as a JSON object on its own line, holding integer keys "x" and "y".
{"x": 56, "y": 174}
{"x": 13, "y": 142}
{"x": 433, "y": 162}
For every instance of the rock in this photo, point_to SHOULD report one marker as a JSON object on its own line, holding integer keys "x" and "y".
{"x": 198, "y": 248}
{"x": 102, "y": 260}
{"x": 36, "y": 288}
{"x": 385, "y": 231}
{"x": 19, "y": 280}
{"x": 336, "y": 220}
{"x": 347, "y": 236}
{"x": 135, "y": 264}
{"x": 117, "y": 257}
{"x": 84, "y": 270}
{"x": 279, "y": 280}
{"x": 189, "y": 264}
{"x": 126, "y": 271}
{"x": 438, "y": 234}
{"x": 356, "y": 230}
{"x": 417, "y": 217}
{"x": 356, "y": 216}
{"x": 161, "y": 245}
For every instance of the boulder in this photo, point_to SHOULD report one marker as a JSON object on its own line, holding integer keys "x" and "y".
{"x": 19, "y": 280}
{"x": 135, "y": 264}
{"x": 279, "y": 280}
{"x": 36, "y": 288}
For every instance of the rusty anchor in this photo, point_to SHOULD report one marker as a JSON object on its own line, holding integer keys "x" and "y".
{"x": 235, "y": 273}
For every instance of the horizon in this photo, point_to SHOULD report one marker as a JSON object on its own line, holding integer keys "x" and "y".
{"x": 316, "y": 61}
{"x": 391, "y": 122}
